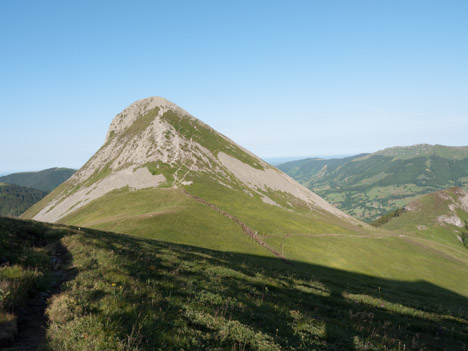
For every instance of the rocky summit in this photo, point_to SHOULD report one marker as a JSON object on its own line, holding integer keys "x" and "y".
{"x": 154, "y": 143}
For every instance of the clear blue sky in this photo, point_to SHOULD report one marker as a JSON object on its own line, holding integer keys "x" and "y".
{"x": 282, "y": 78}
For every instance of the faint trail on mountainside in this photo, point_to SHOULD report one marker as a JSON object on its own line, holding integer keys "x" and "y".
{"x": 245, "y": 228}
{"x": 254, "y": 235}
{"x": 32, "y": 321}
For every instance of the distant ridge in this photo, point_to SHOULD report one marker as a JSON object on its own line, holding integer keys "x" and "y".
{"x": 369, "y": 185}
{"x": 458, "y": 152}
{"x": 45, "y": 180}
{"x": 15, "y": 199}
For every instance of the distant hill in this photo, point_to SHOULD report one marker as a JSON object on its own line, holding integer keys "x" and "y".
{"x": 14, "y": 199}
{"x": 440, "y": 216}
{"x": 46, "y": 180}
{"x": 369, "y": 185}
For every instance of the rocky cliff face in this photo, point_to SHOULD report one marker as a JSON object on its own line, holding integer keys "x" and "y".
{"x": 155, "y": 143}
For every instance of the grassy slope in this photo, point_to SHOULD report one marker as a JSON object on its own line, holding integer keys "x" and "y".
{"x": 37, "y": 207}
{"x": 163, "y": 214}
{"x": 141, "y": 294}
{"x": 264, "y": 218}
{"x": 387, "y": 257}
{"x": 45, "y": 180}
{"x": 369, "y": 186}
{"x": 169, "y": 215}
{"x": 14, "y": 199}
{"x": 423, "y": 222}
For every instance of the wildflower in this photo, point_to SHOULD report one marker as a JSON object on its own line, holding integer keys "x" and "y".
{"x": 113, "y": 284}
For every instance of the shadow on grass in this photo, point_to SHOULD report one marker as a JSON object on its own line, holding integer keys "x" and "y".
{"x": 193, "y": 298}
{"x": 33, "y": 247}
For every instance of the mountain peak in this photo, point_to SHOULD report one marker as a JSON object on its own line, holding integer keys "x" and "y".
{"x": 148, "y": 104}
{"x": 153, "y": 143}
{"x": 139, "y": 108}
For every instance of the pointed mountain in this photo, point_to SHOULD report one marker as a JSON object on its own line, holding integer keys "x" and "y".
{"x": 155, "y": 144}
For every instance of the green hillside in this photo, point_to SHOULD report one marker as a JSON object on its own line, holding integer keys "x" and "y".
{"x": 45, "y": 180}
{"x": 440, "y": 216}
{"x": 124, "y": 293}
{"x": 368, "y": 186}
{"x": 164, "y": 214}
{"x": 174, "y": 215}
{"x": 14, "y": 199}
